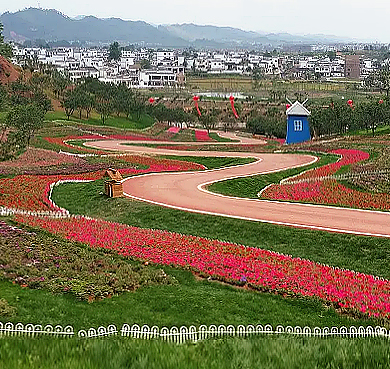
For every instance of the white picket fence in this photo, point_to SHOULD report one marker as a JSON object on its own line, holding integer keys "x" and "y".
{"x": 192, "y": 333}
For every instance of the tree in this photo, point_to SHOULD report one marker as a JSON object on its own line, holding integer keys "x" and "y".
{"x": 104, "y": 100}
{"x": 144, "y": 64}
{"x": 69, "y": 103}
{"x": 380, "y": 79}
{"x": 5, "y": 49}
{"x": 3, "y": 98}
{"x": 114, "y": 51}
{"x": 26, "y": 119}
{"x": 257, "y": 76}
{"x": 371, "y": 115}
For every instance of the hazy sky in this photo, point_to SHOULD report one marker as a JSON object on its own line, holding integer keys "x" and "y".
{"x": 360, "y": 19}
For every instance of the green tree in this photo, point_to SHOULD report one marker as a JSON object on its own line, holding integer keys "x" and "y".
{"x": 144, "y": 64}
{"x": 5, "y": 49}
{"x": 379, "y": 79}
{"x": 114, "y": 51}
{"x": 69, "y": 103}
{"x": 3, "y": 98}
{"x": 26, "y": 119}
{"x": 372, "y": 114}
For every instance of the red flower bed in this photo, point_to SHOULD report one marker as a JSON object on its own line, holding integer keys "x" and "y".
{"x": 261, "y": 269}
{"x": 29, "y": 192}
{"x": 328, "y": 191}
{"x": 202, "y": 135}
{"x": 61, "y": 141}
{"x": 347, "y": 157}
{"x": 132, "y": 138}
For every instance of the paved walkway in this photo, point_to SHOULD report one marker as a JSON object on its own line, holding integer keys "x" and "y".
{"x": 187, "y": 191}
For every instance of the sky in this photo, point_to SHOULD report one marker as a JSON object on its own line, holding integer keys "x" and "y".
{"x": 358, "y": 19}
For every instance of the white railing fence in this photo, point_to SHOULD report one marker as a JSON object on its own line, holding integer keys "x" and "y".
{"x": 192, "y": 333}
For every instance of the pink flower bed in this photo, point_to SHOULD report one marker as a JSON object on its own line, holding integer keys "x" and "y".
{"x": 347, "y": 157}
{"x": 268, "y": 271}
{"x": 174, "y": 129}
{"x": 34, "y": 157}
{"x": 329, "y": 191}
{"x": 202, "y": 135}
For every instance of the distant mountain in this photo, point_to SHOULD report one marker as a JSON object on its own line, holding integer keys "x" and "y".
{"x": 234, "y": 36}
{"x": 192, "y": 32}
{"x": 53, "y": 26}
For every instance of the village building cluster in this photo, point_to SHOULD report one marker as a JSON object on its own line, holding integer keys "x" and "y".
{"x": 149, "y": 68}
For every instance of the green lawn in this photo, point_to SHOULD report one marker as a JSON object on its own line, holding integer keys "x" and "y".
{"x": 260, "y": 352}
{"x": 145, "y": 121}
{"x": 213, "y": 162}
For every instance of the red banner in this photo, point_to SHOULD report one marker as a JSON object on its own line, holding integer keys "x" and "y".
{"x": 231, "y": 98}
{"x": 196, "y": 99}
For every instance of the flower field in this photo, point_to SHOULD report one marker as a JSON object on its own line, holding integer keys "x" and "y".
{"x": 30, "y": 192}
{"x": 315, "y": 186}
{"x": 202, "y": 135}
{"x": 352, "y": 292}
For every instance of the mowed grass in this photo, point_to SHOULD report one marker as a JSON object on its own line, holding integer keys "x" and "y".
{"x": 249, "y": 187}
{"x": 213, "y": 162}
{"x": 145, "y": 121}
{"x": 260, "y": 352}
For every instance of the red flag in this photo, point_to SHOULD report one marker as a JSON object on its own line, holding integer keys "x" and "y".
{"x": 231, "y": 98}
{"x": 196, "y": 99}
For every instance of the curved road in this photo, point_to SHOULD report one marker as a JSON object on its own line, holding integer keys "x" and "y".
{"x": 186, "y": 191}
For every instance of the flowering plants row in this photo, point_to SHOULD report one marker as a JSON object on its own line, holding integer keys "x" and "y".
{"x": 352, "y": 292}
{"x": 173, "y": 129}
{"x": 348, "y": 157}
{"x": 202, "y": 135}
{"x": 30, "y": 192}
{"x": 315, "y": 186}
{"x": 36, "y": 260}
{"x": 328, "y": 192}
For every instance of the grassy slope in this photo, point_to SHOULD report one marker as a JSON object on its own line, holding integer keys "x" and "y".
{"x": 113, "y": 121}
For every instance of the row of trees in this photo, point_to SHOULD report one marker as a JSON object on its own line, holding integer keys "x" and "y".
{"x": 340, "y": 118}
{"x": 271, "y": 123}
{"x": 105, "y": 98}
{"x": 26, "y": 106}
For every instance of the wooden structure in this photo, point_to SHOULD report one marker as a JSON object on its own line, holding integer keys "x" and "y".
{"x": 113, "y": 183}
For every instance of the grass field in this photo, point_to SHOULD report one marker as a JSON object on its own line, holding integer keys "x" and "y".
{"x": 113, "y": 121}
{"x": 263, "y": 352}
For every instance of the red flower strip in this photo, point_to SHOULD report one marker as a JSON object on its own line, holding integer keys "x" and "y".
{"x": 262, "y": 269}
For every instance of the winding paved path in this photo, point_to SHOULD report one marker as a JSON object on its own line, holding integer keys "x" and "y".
{"x": 186, "y": 191}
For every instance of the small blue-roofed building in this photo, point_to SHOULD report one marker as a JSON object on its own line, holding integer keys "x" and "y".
{"x": 298, "y": 129}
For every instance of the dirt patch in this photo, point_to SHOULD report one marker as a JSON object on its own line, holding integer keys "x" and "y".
{"x": 8, "y": 72}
